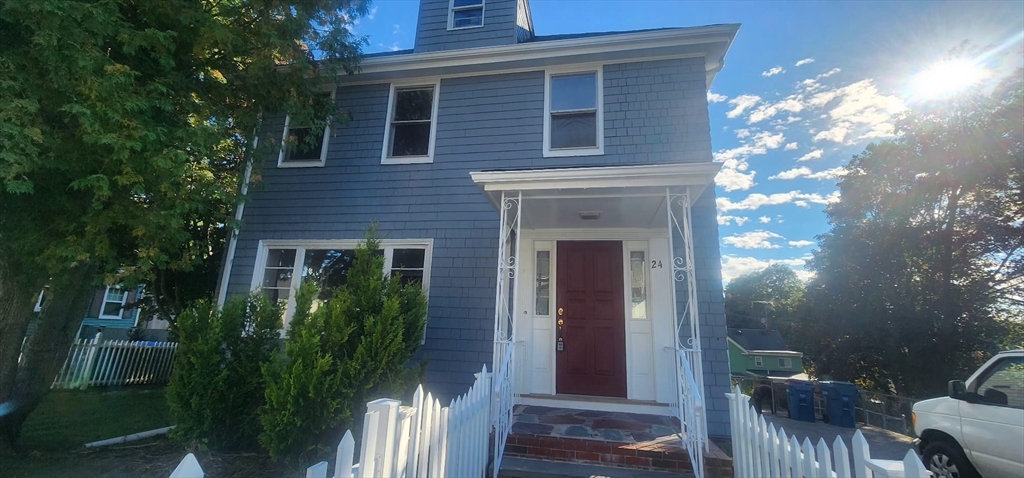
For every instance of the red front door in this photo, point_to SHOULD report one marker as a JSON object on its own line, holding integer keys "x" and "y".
{"x": 592, "y": 357}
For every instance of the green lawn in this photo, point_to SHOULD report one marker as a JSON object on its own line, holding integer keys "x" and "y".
{"x": 55, "y": 433}
{"x": 68, "y": 419}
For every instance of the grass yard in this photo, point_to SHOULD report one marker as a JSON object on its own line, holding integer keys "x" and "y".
{"x": 68, "y": 419}
{"x": 55, "y": 434}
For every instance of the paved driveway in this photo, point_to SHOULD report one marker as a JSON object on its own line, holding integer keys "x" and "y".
{"x": 883, "y": 444}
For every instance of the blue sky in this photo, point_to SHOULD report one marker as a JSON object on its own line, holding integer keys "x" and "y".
{"x": 806, "y": 86}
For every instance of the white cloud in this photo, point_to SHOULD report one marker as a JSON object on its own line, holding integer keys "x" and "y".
{"x": 816, "y": 154}
{"x": 396, "y": 29}
{"x": 758, "y": 200}
{"x": 716, "y": 98}
{"x": 791, "y": 146}
{"x": 727, "y": 220}
{"x": 742, "y": 103}
{"x": 764, "y": 219}
{"x": 829, "y": 73}
{"x": 735, "y": 180}
{"x": 773, "y": 71}
{"x": 805, "y": 61}
{"x": 734, "y": 266}
{"x": 792, "y": 173}
{"x": 394, "y": 47}
{"x": 792, "y": 104}
{"x": 861, "y": 113}
{"x": 733, "y": 176}
{"x": 835, "y": 134}
{"x": 373, "y": 13}
{"x": 759, "y": 239}
{"x": 742, "y": 133}
{"x": 801, "y": 243}
{"x": 805, "y": 172}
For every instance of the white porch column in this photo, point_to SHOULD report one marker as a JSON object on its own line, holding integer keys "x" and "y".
{"x": 507, "y": 290}
{"x": 689, "y": 364}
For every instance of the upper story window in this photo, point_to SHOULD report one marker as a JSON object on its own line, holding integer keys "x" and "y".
{"x": 573, "y": 104}
{"x": 412, "y": 123}
{"x": 285, "y": 265}
{"x": 465, "y": 14}
{"x": 301, "y": 146}
{"x": 113, "y": 302}
{"x": 785, "y": 362}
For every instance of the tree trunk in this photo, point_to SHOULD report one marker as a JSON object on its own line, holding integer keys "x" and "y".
{"x": 17, "y": 297}
{"x": 47, "y": 349}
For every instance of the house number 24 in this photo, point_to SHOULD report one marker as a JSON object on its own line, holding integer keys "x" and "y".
{"x": 655, "y": 264}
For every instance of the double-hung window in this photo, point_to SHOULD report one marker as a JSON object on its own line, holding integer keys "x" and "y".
{"x": 465, "y": 14}
{"x": 785, "y": 362}
{"x": 113, "y": 302}
{"x": 302, "y": 145}
{"x": 284, "y": 266}
{"x": 412, "y": 123}
{"x": 573, "y": 117}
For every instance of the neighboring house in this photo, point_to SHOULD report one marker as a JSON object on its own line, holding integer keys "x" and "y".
{"x": 553, "y": 194}
{"x": 762, "y": 353}
{"x": 112, "y": 310}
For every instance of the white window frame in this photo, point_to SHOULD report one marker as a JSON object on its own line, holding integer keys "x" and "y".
{"x": 787, "y": 361}
{"x": 39, "y": 302}
{"x": 300, "y": 246}
{"x": 451, "y": 15}
{"x": 758, "y": 361}
{"x": 103, "y": 304}
{"x": 598, "y": 69}
{"x": 281, "y": 163}
{"x": 429, "y": 158}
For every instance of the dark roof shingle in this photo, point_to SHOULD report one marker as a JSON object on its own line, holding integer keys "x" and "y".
{"x": 757, "y": 339}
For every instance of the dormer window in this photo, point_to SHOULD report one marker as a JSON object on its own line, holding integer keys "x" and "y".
{"x": 465, "y": 14}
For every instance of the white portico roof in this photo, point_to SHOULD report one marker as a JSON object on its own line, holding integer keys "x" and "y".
{"x": 622, "y": 196}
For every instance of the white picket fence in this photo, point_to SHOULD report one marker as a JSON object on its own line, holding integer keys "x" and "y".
{"x": 95, "y": 362}
{"x": 758, "y": 449}
{"x": 422, "y": 439}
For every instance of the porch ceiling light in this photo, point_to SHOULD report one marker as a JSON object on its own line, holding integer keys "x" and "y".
{"x": 590, "y": 215}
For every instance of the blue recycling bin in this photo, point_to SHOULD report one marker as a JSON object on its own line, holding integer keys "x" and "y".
{"x": 840, "y": 403}
{"x": 801, "y": 400}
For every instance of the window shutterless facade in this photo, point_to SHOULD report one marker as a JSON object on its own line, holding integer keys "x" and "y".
{"x": 113, "y": 302}
{"x": 282, "y": 266}
{"x": 411, "y": 124}
{"x": 758, "y": 362}
{"x": 465, "y": 14}
{"x": 303, "y": 146}
{"x": 573, "y": 116}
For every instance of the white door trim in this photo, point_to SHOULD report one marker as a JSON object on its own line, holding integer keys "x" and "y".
{"x": 539, "y": 333}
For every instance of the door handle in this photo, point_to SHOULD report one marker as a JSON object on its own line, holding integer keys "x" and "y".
{"x": 560, "y": 322}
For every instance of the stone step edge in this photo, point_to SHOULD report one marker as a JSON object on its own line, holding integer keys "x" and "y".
{"x": 596, "y": 452}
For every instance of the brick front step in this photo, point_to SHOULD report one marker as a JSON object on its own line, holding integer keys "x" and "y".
{"x": 607, "y": 453}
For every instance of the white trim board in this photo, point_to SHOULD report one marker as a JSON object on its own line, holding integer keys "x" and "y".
{"x": 713, "y": 41}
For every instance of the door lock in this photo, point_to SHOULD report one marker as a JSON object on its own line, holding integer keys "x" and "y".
{"x": 560, "y": 311}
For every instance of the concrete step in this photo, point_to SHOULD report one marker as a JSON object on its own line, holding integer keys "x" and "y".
{"x": 516, "y": 467}
{"x": 655, "y": 455}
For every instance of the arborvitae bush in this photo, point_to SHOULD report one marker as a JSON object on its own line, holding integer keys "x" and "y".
{"x": 339, "y": 354}
{"x": 217, "y": 385}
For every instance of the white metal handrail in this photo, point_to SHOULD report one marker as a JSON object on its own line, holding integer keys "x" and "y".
{"x": 691, "y": 411}
{"x": 506, "y": 398}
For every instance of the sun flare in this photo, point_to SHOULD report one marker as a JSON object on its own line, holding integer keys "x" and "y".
{"x": 946, "y": 78}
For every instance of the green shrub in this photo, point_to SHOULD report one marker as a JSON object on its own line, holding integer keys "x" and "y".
{"x": 339, "y": 354}
{"x": 217, "y": 384}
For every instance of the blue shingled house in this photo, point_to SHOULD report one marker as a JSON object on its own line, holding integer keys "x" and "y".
{"x": 553, "y": 194}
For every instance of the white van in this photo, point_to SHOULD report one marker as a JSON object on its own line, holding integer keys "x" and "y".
{"x": 978, "y": 430}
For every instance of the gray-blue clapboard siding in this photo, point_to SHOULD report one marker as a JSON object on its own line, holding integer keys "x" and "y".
{"x": 432, "y": 32}
{"x": 655, "y": 112}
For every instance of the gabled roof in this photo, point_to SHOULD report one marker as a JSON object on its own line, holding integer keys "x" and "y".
{"x": 758, "y": 339}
